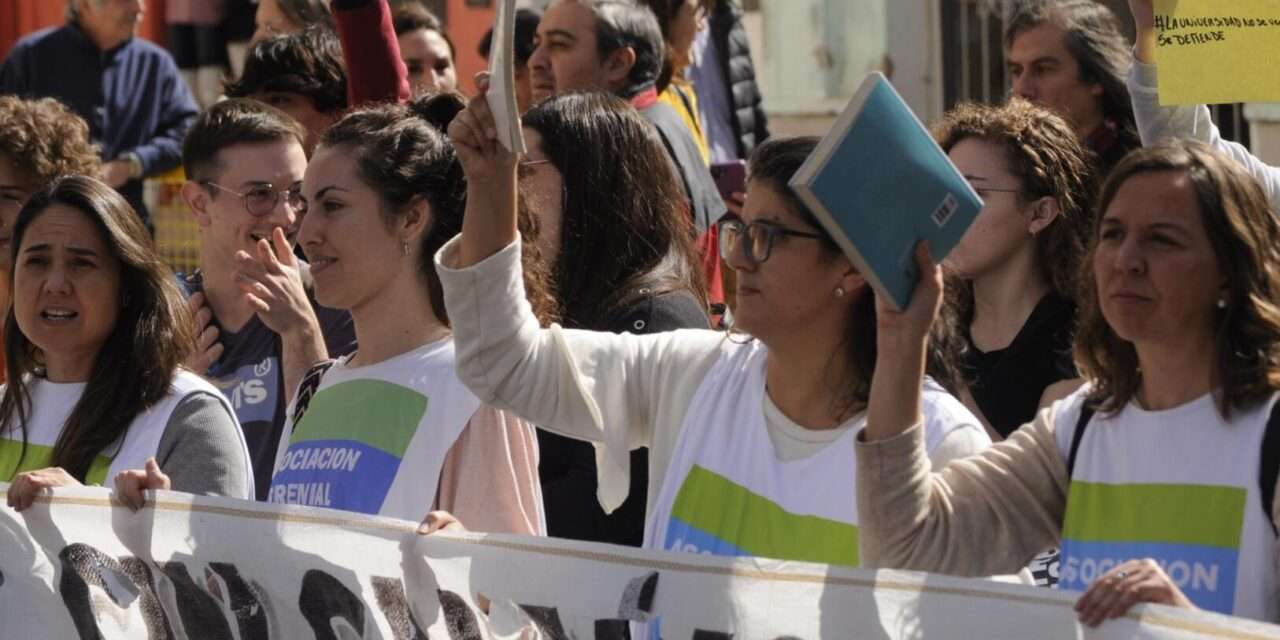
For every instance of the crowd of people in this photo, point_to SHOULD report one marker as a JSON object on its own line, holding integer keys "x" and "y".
{"x": 393, "y": 314}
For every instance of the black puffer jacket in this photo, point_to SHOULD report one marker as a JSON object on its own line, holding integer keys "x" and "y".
{"x": 750, "y": 125}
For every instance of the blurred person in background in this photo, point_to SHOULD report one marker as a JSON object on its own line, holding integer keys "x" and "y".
{"x": 724, "y": 77}
{"x": 426, "y": 50}
{"x": 525, "y": 42}
{"x": 129, "y": 90}
{"x": 284, "y": 17}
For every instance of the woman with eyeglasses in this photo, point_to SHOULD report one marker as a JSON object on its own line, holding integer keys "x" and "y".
{"x": 1015, "y": 269}
{"x": 619, "y": 263}
{"x": 750, "y": 434}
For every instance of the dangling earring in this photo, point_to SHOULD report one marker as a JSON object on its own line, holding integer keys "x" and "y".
{"x": 404, "y": 249}
{"x": 839, "y": 292}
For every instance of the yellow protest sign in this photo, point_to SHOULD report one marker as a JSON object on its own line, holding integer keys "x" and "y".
{"x": 1215, "y": 51}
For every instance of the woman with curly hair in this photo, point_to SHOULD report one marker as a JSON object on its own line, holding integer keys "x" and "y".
{"x": 1015, "y": 268}
{"x": 1154, "y": 476}
{"x": 39, "y": 141}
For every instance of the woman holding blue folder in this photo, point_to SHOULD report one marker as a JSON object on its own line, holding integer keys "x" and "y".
{"x": 1158, "y": 477}
{"x": 751, "y": 438}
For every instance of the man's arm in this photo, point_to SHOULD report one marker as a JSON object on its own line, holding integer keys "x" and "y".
{"x": 375, "y": 72}
{"x": 177, "y": 111}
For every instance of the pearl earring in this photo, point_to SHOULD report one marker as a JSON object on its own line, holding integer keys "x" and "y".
{"x": 839, "y": 292}
{"x": 1222, "y": 302}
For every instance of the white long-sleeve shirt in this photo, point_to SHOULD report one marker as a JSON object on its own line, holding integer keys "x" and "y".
{"x": 620, "y": 391}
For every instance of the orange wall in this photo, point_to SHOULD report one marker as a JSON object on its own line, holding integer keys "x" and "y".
{"x": 20, "y": 17}
{"x": 466, "y": 26}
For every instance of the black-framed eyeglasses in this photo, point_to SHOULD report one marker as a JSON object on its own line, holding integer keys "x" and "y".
{"x": 756, "y": 238}
{"x": 261, "y": 199}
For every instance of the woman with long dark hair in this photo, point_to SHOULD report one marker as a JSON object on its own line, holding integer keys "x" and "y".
{"x": 390, "y": 429}
{"x": 1154, "y": 476}
{"x": 750, "y": 437}
{"x": 620, "y": 262}
{"x": 93, "y": 342}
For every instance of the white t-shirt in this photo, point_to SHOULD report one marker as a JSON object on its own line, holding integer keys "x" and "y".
{"x": 374, "y": 438}
{"x": 1144, "y": 486}
{"x": 732, "y": 490}
{"x": 52, "y": 404}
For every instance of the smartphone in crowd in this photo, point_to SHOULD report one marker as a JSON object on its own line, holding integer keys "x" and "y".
{"x": 730, "y": 177}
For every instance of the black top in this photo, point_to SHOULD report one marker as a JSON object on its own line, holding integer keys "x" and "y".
{"x": 567, "y": 467}
{"x": 1007, "y": 384}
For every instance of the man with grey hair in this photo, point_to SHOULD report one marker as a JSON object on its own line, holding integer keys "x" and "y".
{"x": 1070, "y": 56}
{"x": 128, "y": 90}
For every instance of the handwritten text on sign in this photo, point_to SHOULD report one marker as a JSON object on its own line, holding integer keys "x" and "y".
{"x": 1210, "y": 51}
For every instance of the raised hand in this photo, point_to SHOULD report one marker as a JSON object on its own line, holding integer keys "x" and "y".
{"x": 474, "y": 135}
{"x": 901, "y": 338}
{"x": 489, "y": 223}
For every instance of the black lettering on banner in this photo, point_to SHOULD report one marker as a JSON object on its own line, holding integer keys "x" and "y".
{"x": 547, "y": 620}
{"x": 153, "y": 612}
{"x": 199, "y": 613}
{"x": 637, "y": 598}
{"x": 83, "y": 565}
{"x": 700, "y": 634}
{"x": 244, "y": 600}
{"x": 613, "y": 630}
{"x": 326, "y": 603}
{"x": 458, "y": 618}
{"x": 389, "y": 593}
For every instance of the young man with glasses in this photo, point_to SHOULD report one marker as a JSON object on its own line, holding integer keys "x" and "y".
{"x": 259, "y": 329}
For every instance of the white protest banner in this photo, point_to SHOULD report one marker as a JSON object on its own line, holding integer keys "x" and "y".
{"x": 78, "y": 565}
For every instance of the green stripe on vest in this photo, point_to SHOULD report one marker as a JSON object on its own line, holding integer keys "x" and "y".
{"x": 40, "y": 457}
{"x": 758, "y": 525}
{"x": 1165, "y": 513}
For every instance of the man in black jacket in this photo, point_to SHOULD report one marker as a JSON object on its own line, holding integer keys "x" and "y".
{"x": 724, "y": 77}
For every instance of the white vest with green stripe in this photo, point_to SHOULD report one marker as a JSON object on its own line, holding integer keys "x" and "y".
{"x": 51, "y": 405}
{"x": 1179, "y": 486}
{"x": 726, "y": 492}
{"x": 373, "y": 439}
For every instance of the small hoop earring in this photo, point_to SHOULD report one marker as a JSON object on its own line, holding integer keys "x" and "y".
{"x": 839, "y": 292}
